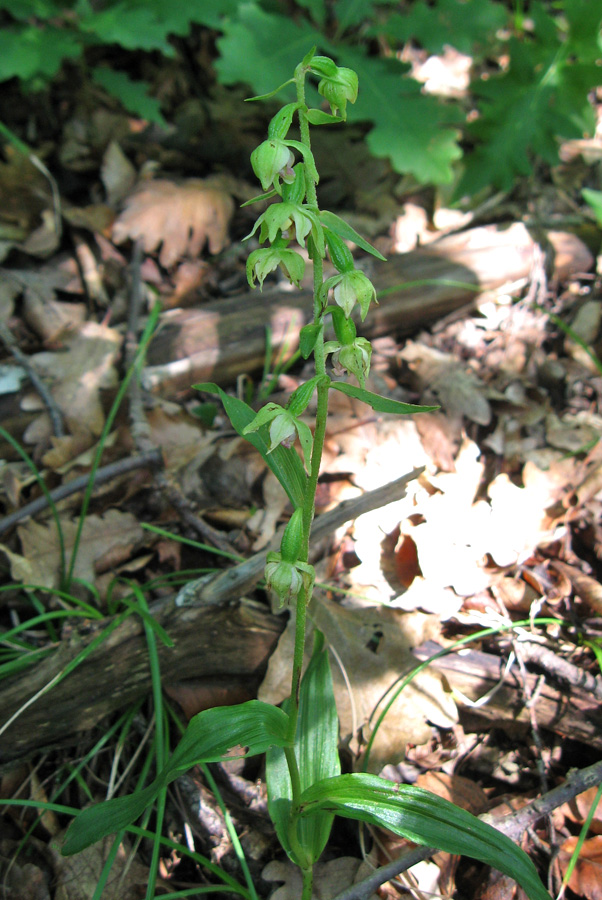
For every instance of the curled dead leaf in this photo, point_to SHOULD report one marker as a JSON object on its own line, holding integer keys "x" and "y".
{"x": 183, "y": 217}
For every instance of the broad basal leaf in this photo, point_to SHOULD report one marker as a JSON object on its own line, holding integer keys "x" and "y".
{"x": 283, "y": 461}
{"x": 424, "y": 818}
{"x": 316, "y": 749}
{"x": 208, "y": 738}
{"x": 378, "y": 403}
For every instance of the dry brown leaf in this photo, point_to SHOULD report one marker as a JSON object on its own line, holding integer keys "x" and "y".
{"x": 373, "y": 645}
{"x": 330, "y": 878}
{"x": 577, "y": 809}
{"x": 586, "y": 879}
{"x": 459, "y": 790}
{"x": 105, "y": 541}
{"x": 79, "y": 372}
{"x": 183, "y": 217}
{"x": 459, "y": 390}
{"x": 77, "y": 876}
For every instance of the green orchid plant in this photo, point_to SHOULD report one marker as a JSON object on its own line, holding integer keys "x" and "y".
{"x": 303, "y": 772}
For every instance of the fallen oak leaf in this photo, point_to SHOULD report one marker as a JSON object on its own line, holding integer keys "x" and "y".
{"x": 183, "y": 217}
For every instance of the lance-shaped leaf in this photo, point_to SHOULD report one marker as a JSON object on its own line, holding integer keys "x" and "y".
{"x": 345, "y": 231}
{"x": 316, "y": 749}
{"x": 378, "y": 403}
{"x": 424, "y": 818}
{"x": 283, "y": 461}
{"x": 208, "y": 738}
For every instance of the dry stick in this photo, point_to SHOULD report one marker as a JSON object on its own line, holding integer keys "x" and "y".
{"x": 561, "y": 668}
{"x": 153, "y": 459}
{"x": 140, "y": 428}
{"x": 513, "y": 825}
{"x": 56, "y": 417}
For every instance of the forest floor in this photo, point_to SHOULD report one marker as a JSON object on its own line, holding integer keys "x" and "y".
{"x": 497, "y": 539}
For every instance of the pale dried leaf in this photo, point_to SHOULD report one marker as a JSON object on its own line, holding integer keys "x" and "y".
{"x": 79, "y": 372}
{"x": 330, "y": 878}
{"x": 76, "y": 877}
{"x": 373, "y": 645}
{"x": 117, "y": 173}
{"x": 181, "y": 217}
{"x": 107, "y": 540}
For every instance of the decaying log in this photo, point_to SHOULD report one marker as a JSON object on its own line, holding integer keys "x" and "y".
{"x": 216, "y": 632}
{"x": 224, "y": 338}
{"x": 570, "y": 712}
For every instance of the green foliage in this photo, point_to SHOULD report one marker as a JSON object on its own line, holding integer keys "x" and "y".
{"x": 209, "y": 736}
{"x": 316, "y": 749}
{"x": 543, "y": 95}
{"x": 524, "y": 109}
{"x": 425, "y": 819}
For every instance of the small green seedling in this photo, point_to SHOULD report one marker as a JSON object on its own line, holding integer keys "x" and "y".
{"x": 305, "y": 786}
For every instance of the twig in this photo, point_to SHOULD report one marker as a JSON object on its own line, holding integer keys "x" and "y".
{"x": 56, "y": 417}
{"x": 561, "y": 668}
{"x": 152, "y": 459}
{"x": 512, "y": 825}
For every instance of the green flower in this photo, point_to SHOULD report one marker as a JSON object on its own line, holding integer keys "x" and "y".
{"x": 272, "y": 160}
{"x": 284, "y": 428}
{"x": 280, "y": 217}
{"x": 261, "y": 262}
{"x": 338, "y": 89}
{"x": 353, "y": 357}
{"x": 350, "y": 288}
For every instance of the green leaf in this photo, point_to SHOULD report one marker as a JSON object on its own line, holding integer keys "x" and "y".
{"x": 262, "y": 49}
{"x": 316, "y": 749}
{"x": 284, "y": 462}
{"x": 378, "y": 403}
{"x": 594, "y": 200}
{"x": 345, "y": 231}
{"x": 410, "y": 128}
{"x": 133, "y": 95}
{"x": 468, "y": 25}
{"x": 318, "y": 117}
{"x": 541, "y": 96}
{"x": 298, "y": 400}
{"x": 424, "y": 818}
{"x": 267, "y": 196}
{"x": 29, "y": 52}
{"x": 208, "y": 738}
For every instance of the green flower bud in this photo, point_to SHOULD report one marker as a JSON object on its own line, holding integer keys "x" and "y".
{"x": 271, "y": 160}
{"x": 286, "y": 579}
{"x": 292, "y": 539}
{"x": 338, "y": 89}
{"x": 355, "y": 358}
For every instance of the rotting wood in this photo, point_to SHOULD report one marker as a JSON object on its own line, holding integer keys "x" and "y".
{"x": 223, "y": 338}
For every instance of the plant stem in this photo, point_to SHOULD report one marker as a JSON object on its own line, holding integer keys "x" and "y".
{"x": 308, "y": 513}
